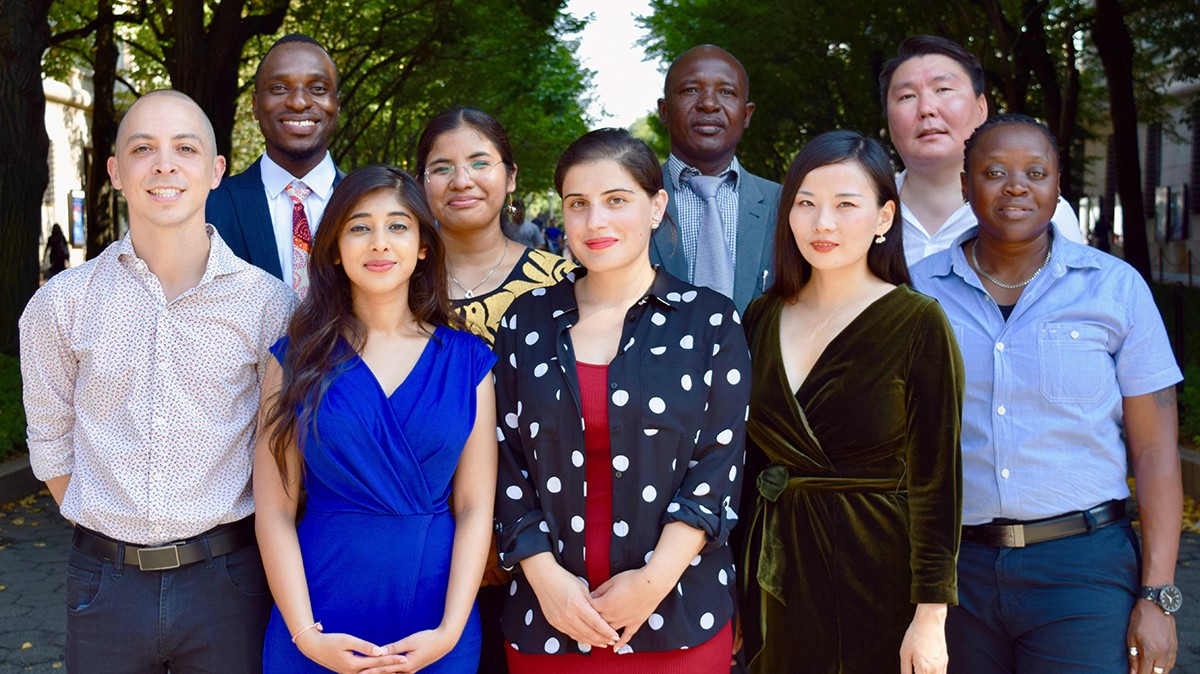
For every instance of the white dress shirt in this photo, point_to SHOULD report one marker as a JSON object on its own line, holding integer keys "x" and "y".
{"x": 149, "y": 405}
{"x": 920, "y": 244}
{"x": 275, "y": 181}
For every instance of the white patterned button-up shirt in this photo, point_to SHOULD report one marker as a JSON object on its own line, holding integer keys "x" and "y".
{"x": 150, "y": 405}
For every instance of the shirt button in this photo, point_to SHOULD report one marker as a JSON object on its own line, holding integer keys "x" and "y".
{"x": 619, "y": 474}
{"x": 160, "y": 421}
{"x": 616, "y": 430}
{"x": 1074, "y": 334}
{"x": 1004, "y": 473}
{"x": 613, "y": 385}
{"x": 999, "y": 346}
{"x": 1000, "y": 410}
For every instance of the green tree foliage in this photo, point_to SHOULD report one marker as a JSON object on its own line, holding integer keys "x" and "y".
{"x": 651, "y": 130}
{"x": 403, "y": 62}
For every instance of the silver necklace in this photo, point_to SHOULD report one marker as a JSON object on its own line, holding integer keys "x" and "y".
{"x": 993, "y": 279}
{"x": 470, "y": 292}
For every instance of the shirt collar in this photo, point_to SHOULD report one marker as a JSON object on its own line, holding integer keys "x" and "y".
{"x": 320, "y": 179}
{"x": 666, "y": 290}
{"x": 677, "y": 169}
{"x": 1064, "y": 255}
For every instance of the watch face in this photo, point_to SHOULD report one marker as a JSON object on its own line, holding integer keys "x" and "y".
{"x": 1170, "y": 599}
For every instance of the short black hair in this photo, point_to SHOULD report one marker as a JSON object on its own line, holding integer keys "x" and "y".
{"x": 929, "y": 45}
{"x": 299, "y": 38}
{"x": 1010, "y": 118}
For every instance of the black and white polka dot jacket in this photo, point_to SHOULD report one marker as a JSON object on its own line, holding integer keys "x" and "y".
{"x": 679, "y": 388}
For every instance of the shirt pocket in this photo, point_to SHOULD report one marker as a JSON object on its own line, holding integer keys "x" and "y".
{"x": 1075, "y": 364}
{"x": 674, "y": 391}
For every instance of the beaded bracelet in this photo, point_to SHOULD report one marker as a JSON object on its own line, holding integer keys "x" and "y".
{"x": 316, "y": 625}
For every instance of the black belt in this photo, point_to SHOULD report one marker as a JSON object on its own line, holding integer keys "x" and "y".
{"x": 1021, "y": 534}
{"x": 222, "y": 540}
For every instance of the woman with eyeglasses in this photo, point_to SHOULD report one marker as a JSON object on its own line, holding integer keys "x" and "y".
{"x": 465, "y": 164}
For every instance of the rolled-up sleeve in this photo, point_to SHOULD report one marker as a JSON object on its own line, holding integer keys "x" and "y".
{"x": 709, "y": 495}
{"x": 521, "y": 525}
{"x": 48, "y": 372}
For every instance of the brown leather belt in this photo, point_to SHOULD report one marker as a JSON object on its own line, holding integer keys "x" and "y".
{"x": 1021, "y": 534}
{"x": 222, "y": 540}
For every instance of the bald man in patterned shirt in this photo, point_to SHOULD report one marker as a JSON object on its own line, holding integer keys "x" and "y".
{"x": 141, "y": 373}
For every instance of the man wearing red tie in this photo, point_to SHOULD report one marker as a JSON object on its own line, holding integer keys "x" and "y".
{"x": 268, "y": 213}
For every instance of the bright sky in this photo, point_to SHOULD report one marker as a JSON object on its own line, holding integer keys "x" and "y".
{"x": 625, "y": 87}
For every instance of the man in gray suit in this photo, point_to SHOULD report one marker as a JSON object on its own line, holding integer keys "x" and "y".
{"x": 725, "y": 215}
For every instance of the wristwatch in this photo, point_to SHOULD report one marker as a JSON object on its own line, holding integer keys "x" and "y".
{"x": 1168, "y": 597}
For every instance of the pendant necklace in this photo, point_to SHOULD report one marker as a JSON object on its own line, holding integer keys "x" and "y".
{"x": 1006, "y": 286}
{"x": 469, "y": 293}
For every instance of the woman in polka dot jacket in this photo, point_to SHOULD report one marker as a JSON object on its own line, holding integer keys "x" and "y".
{"x": 622, "y": 397}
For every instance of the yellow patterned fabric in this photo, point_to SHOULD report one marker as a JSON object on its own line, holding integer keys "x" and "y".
{"x": 535, "y": 269}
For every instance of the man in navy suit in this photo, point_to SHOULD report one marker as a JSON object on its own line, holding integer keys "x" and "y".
{"x": 259, "y": 211}
{"x": 705, "y": 107}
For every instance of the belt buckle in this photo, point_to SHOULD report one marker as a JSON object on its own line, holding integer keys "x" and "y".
{"x": 1014, "y": 536}
{"x": 158, "y": 559}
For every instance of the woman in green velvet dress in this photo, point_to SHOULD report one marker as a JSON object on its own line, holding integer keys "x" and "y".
{"x": 854, "y": 421}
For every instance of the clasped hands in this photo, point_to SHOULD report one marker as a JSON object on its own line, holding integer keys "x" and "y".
{"x": 347, "y": 654}
{"x": 605, "y": 618}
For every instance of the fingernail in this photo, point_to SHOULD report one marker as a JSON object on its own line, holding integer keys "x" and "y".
{"x": 379, "y": 650}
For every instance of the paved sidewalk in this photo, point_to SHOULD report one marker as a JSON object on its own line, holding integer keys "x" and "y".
{"x": 34, "y": 541}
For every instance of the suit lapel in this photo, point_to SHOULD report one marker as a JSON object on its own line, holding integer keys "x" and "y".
{"x": 250, "y": 199}
{"x": 753, "y": 230}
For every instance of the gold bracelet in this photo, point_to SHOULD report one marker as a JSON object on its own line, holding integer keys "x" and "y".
{"x": 317, "y": 625}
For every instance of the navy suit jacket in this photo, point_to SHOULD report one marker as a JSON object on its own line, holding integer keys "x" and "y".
{"x": 758, "y": 202}
{"x": 238, "y": 209}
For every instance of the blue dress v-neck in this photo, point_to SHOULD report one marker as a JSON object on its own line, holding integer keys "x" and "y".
{"x": 377, "y": 534}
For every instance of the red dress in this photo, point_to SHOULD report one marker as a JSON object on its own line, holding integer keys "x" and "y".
{"x": 710, "y": 657}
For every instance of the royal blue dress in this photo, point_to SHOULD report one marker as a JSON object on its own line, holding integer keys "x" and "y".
{"x": 377, "y": 535}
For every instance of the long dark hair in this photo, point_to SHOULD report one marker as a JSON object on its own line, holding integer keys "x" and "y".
{"x": 326, "y": 315}
{"x": 885, "y": 260}
{"x": 478, "y": 120}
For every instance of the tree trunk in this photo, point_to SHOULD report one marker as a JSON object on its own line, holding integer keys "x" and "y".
{"x": 24, "y": 148}
{"x": 1115, "y": 46}
{"x": 205, "y": 63}
{"x": 101, "y": 212}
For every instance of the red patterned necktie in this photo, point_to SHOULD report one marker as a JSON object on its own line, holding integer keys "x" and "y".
{"x": 301, "y": 237}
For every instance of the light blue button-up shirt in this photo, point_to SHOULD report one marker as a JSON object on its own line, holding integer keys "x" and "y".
{"x": 1042, "y": 414}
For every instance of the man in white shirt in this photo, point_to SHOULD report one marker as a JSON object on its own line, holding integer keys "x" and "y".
{"x": 932, "y": 93}
{"x": 141, "y": 372}
{"x": 269, "y": 212}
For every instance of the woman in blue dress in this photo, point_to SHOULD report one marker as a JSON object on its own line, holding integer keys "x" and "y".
{"x": 380, "y": 407}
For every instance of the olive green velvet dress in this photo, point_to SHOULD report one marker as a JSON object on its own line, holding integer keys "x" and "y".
{"x": 858, "y": 500}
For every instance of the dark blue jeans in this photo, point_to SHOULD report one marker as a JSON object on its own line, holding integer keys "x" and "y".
{"x": 1059, "y": 607}
{"x": 204, "y": 618}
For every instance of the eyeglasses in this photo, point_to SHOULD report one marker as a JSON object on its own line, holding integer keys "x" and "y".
{"x": 445, "y": 172}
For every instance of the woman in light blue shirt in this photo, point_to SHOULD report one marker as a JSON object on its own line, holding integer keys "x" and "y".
{"x": 1063, "y": 350}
